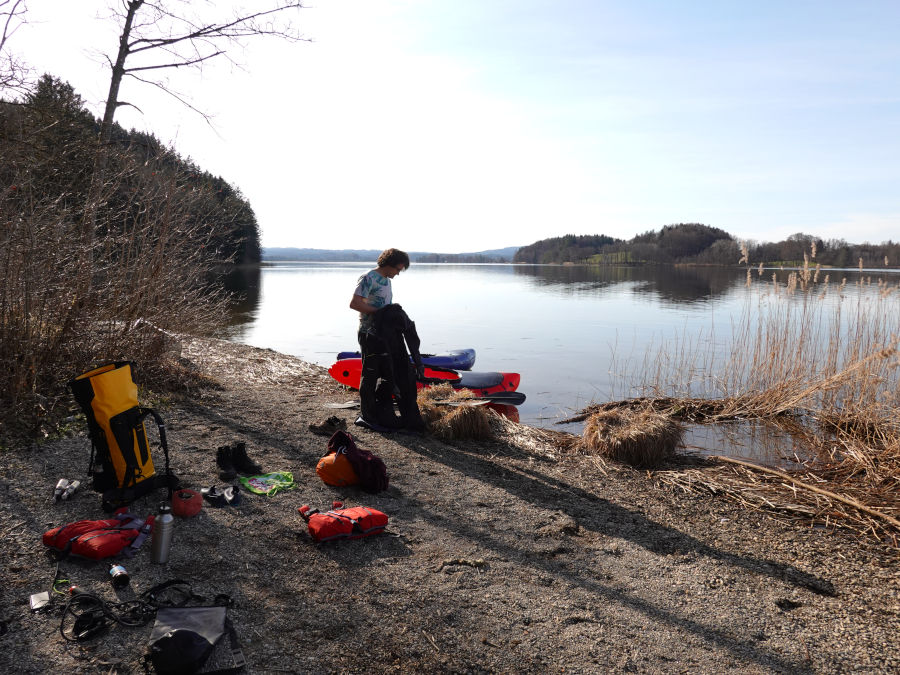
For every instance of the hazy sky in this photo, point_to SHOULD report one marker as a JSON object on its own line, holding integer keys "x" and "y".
{"x": 467, "y": 125}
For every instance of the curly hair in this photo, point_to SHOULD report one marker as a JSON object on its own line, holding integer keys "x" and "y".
{"x": 393, "y": 257}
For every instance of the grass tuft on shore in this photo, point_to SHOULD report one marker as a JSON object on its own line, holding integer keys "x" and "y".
{"x": 454, "y": 414}
{"x": 640, "y": 436}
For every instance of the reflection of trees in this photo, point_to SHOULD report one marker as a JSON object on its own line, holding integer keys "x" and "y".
{"x": 670, "y": 283}
{"x": 243, "y": 284}
{"x": 569, "y": 277}
{"x": 690, "y": 284}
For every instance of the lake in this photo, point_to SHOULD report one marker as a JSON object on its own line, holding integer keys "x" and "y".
{"x": 576, "y": 334}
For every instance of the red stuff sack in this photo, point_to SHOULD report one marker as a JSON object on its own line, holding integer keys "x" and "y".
{"x": 353, "y": 523}
{"x": 98, "y": 539}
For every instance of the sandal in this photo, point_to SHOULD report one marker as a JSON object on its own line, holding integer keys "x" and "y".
{"x": 229, "y": 495}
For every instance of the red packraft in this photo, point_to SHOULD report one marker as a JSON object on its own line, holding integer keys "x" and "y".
{"x": 97, "y": 539}
{"x": 353, "y": 523}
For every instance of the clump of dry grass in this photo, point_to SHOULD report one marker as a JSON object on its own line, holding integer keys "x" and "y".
{"x": 866, "y": 504}
{"x": 452, "y": 414}
{"x": 640, "y": 437}
{"x": 535, "y": 440}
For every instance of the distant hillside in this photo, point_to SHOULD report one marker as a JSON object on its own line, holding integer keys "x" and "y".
{"x": 570, "y": 248}
{"x": 673, "y": 243}
{"x": 270, "y": 254}
{"x": 507, "y": 252}
{"x": 497, "y": 255}
{"x": 694, "y": 243}
{"x": 320, "y": 254}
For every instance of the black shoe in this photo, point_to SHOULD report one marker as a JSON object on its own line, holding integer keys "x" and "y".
{"x": 225, "y": 463}
{"x": 241, "y": 462}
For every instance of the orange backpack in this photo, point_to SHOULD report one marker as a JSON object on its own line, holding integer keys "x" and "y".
{"x": 335, "y": 469}
{"x": 348, "y": 464}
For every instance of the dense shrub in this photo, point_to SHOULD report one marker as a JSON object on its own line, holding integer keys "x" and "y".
{"x": 98, "y": 265}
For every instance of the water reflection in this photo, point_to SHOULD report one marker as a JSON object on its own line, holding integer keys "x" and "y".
{"x": 753, "y": 440}
{"x": 244, "y": 286}
{"x": 669, "y": 284}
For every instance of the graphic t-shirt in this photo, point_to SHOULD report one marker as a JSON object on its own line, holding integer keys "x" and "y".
{"x": 377, "y": 290}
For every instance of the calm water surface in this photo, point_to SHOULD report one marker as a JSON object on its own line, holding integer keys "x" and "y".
{"x": 577, "y": 334}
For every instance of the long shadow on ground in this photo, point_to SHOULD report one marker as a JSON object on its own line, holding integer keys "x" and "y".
{"x": 593, "y": 513}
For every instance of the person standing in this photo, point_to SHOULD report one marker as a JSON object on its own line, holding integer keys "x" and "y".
{"x": 373, "y": 291}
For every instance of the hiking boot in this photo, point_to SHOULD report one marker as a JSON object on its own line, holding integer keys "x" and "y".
{"x": 225, "y": 463}
{"x": 241, "y": 462}
{"x": 329, "y": 426}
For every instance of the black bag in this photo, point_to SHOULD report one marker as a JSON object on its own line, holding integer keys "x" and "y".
{"x": 183, "y": 638}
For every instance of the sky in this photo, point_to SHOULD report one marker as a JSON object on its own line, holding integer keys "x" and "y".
{"x": 469, "y": 125}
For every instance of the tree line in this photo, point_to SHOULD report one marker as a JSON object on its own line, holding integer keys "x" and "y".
{"x": 52, "y": 122}
{"x": 459, "y": 258}
{"x": 97, "y": 267}
{"x": 695, "y": 243}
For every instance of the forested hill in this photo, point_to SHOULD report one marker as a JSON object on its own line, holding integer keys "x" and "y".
{"x": 694, "y": 243}
{"x": 52, "y": 137}
{"x": 569, "y": 248}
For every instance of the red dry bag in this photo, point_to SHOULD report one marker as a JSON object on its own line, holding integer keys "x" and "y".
{"x": 98, "y": 539}
{"x": 353, "y": 523}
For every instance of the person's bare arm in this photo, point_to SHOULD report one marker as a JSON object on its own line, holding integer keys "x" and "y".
{"x": 361, "y": 305}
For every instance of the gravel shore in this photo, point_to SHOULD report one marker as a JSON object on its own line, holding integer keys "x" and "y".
{"x": 503, "y": 556}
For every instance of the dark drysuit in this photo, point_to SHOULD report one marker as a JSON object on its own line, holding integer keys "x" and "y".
{"x": 388, "y": 375}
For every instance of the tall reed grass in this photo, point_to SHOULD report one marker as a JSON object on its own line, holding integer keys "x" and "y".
{"x": 819, "y": 359}
{"x": 796, "y": 346}
{"x": 67, "y": 304}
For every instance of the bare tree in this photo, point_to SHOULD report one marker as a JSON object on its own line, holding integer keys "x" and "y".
{"x": 159, "y": 35}
{"x": 12, "y": 71}
{"x": 156, "y": 36}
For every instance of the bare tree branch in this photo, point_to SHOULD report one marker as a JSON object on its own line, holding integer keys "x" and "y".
{"x": 130, "y": 105}
{"x": 13, "y": 10}
{"x": 240, "y": 27}
{"x": 149, "y": 25}
{"x": 12, "y": 72}
{"x": 178, "y": 64}
{"x": 206, "y": 117}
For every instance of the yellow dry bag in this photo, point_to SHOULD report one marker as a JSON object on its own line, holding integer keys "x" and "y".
{"x": 121, "y": 465}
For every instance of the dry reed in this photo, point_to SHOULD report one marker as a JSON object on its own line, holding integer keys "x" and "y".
{"x": 454, "y": 414}
{"x": 826, "y": 362}
{"x": 67, "y": 303}
{"x": 791, "y": 497}
{"x": 639, "y": 436}
{"x": 537, "y": 441}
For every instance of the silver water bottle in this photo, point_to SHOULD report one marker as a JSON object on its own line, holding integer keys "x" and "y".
{"x": 163, "y": 527}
